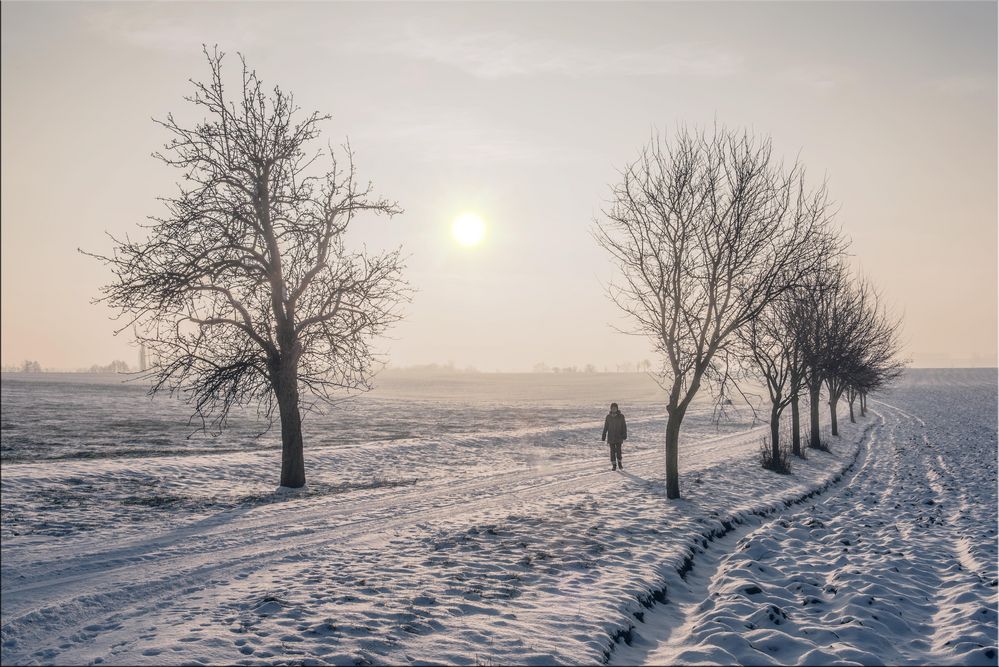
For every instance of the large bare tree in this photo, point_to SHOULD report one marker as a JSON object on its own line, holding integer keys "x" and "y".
{"x": 245, "y": 291}
{"x": 706, "y": 229}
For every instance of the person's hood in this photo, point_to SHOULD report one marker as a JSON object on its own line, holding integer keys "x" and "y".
{"x": 615, "y": 413}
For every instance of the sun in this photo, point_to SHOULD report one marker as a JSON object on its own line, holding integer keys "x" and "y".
{"x": 468, "y": 229}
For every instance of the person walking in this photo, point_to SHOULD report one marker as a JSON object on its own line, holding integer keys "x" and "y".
{"x": 615, "y": 433}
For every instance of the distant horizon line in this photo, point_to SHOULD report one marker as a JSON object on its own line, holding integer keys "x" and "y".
{"x": 430, "y": 368}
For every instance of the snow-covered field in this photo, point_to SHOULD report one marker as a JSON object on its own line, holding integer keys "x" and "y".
{"x": 895, "y": 565}
{"x": 482, "y": 525}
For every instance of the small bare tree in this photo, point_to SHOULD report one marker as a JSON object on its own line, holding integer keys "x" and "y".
{"x": 883, "y": 363}
{"x": 245, "y": 292}
{"x": 874, "y": 340}
{"x": 705, "y": 232}
{"x": 850, "y": 320}
{"x": 771, "y": 352}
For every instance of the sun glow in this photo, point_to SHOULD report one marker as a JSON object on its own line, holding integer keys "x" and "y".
{"x": 468, "y": 229}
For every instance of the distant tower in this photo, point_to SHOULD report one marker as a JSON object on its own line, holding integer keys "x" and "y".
{"x": 142, "y": 358}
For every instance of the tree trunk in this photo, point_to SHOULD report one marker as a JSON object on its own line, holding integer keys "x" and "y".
{"x": 672, "y": 455}
{"x": 833, "y": 400}
{"x": 863, "y": 405}
{"x": 852, "y": 420}
{"x": 813, "y": 409}
{"x": 775, "y": 433}
{"x": 292, "y": 451}
{"x": 795, "y": 427}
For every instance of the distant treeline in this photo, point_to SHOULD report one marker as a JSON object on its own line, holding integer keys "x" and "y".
{"x": 116, "y": 366}
{"x": 643, "y": 366}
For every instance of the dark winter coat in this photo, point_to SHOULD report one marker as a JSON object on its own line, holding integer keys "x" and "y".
{"x": 615, "y": 428}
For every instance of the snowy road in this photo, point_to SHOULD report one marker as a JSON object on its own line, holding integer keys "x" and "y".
{"x": 84, "y": 588}
{"x": 896, "y": 565}
{"x": 269, "y": 533}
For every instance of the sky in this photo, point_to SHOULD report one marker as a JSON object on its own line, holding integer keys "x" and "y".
{"x": 522, "y": 114}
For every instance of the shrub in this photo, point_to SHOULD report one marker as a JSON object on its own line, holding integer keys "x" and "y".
{"x": 782, "y": 464}
{"x": 823, "y": 445}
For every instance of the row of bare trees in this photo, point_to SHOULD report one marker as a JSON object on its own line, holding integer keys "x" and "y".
{"x": 728, "y": 256}
{"x": 832, "y": 331}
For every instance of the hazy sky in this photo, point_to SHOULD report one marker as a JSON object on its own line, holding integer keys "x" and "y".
{"x": 521, "y": 113}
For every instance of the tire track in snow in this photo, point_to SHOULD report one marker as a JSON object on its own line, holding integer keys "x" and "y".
{"x": 966, "y": 573}
{"x": 885, "y": 600}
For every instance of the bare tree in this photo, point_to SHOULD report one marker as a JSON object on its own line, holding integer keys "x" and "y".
{"x": 801, "y": 346}
{"x": 705, "y": 232}
{"x": 875, "y": 359}
{"x": 853, "y": 392}
{"x": 883, "y": 366}
{"x": 245, "y": 292}
{"x": 769, "y": 346}
{"x": 814, "y": 300}
{"x": 772, "y": 340}
{"x": 849, "y": 341}
{"x": 796, "y": 370}
{"x": 851, "y": 320}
